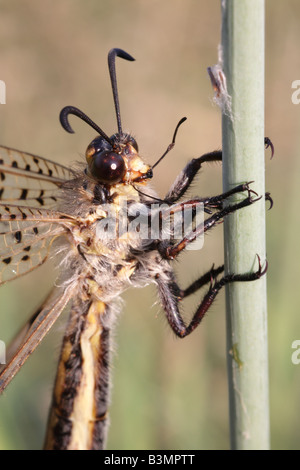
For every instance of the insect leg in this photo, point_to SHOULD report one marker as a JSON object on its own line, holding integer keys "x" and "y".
{"x": 196, "y": 285}
{"x": 168, "y": 290}
{"x": 185, "y": 178}
{"x": 215, "y": 202}
{"x": 187, "y": 175}
{"x": 170, "y": 251}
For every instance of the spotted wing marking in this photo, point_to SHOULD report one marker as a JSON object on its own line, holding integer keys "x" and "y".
{"x": 29, "y": 178}
{"x": 26, "y": 235}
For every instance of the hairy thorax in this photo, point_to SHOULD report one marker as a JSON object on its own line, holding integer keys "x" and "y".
{"x": 110, "y": 242}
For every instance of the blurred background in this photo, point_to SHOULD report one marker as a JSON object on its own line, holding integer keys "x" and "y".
{"x": 167, "y": 393}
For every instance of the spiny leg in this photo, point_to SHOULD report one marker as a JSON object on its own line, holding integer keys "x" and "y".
{"x": 170, "y": 251}
{"x": 168, "y": 289}
{"x": 209, "y": 276}
{"x": 188, "y": 174}
{"x": 214, "y": 202}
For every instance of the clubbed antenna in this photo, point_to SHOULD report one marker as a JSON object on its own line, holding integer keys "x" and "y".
{"x": 112, "y": 70}
{"x": 64, "y": 114}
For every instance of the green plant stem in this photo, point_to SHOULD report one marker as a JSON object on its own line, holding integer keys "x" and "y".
{"x": 244, "y": 231}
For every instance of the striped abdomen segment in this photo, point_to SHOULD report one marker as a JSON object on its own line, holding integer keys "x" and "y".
{"x": 78, "y": 417}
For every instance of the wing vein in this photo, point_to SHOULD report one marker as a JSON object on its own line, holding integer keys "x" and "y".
{"x": 38, "y": 330}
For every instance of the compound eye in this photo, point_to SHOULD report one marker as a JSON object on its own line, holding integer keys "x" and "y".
{"x": 96, "y": 146}
{"x": 134, "y": 144}
{"x": 108, "y": 167}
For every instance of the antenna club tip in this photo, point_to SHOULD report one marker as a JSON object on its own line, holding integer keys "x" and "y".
{"x": 63, "y": 119}
{"x": 119, "y": 53}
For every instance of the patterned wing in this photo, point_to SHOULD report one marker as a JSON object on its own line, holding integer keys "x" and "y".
{"x": 26, "y": 234}
{"x": 30, "y": 179}
{"x": 19, "y": 338}
{"x": 33, "y": 334}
